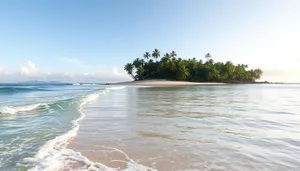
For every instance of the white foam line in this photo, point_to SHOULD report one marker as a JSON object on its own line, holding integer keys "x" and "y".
{"x": 60, "y": 107}
{"x": 116, "y": 88}
{"x": 17, "y": 109}
{"x": 54, "y": 155}
{"x": 118, "y": 150}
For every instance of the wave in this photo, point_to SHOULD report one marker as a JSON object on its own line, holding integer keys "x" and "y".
{"x": 85, "y": 84}
{"x": 9, "y": 90}
{"x": 54, "y": 155}
{"x": 116, "y": 88}
{"x": 18, "y": 109}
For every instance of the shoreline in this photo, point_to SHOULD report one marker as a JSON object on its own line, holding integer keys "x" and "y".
{"x": 162, "y": 83}
{"x": 120, "y": 124}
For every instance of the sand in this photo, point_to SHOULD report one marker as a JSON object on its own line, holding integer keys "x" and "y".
{"x": 164, "y": 83}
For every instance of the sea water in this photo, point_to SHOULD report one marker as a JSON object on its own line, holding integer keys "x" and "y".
{"x": 222, "y": 127}
{"x": 36, "y": 121}
{"x": 90, "y": 127}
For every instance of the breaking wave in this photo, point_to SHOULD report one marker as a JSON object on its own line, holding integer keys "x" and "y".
{"x": 54, "y": 155}
{"x": 10, "y": 110}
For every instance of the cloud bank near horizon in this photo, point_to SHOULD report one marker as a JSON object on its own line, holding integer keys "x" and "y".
{"x": 30, "y": 72}
{"x": 84, "y": 72}
{"x": 2, "y": 71}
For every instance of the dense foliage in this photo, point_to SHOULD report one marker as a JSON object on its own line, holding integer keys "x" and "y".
{"x": 171, "y": 67}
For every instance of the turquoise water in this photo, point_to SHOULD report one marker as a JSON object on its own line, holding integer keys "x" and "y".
{"x": 30, "y": 116}
{"x": 228, "y": 127}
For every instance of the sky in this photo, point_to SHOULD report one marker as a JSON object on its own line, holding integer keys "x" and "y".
{"x": 91, "y": 41}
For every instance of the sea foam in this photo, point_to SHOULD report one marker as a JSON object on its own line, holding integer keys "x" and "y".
{"x": 54, "y": 155}
{"x": 116, "y": 88}
{"x": 17, "y": 109}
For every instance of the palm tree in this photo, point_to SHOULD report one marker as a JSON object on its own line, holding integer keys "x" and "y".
{"x": 173, "y": 65}
{"x": 185, "y": 72}
{"x": 156, "y": 54}
{"x": 200, "y": 61}
{"x": 147, "y": 55}
{"x": 182, "y": 72}
{"x": 210, "y": 62}
{"x": 137, "y": 63}
{"x": 167, "y": 56}
{"x": 129, "y": 69}
{"x": 140, "y": 71}
{"x": 258, "y": 73}
{"x": 173, "y": 54}
{"x": 208, "y": 56}
{"x": 150, "y": 61}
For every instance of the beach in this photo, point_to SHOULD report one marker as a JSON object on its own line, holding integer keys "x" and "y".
{"x": 205, "y": 127}
{"x": 166, "y": 83}
{"x": 140, "y": 128}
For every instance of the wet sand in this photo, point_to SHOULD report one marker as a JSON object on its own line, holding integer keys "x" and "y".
{"x": 189, "y": 128}
{"x": 115, "y": 133}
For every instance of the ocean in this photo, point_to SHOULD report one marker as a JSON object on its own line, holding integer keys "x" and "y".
{"x": 92, "y": 127}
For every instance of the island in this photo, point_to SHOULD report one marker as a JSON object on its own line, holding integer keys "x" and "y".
{"x": 173, "y": 68}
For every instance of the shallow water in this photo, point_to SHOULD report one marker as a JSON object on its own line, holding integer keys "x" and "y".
{"x": 32, "y": 115}
{"x": 228, "y": 127}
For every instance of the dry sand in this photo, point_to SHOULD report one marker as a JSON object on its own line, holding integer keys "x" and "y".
{"x": 164, "y": 83}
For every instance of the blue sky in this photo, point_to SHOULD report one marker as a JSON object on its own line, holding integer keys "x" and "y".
{"x": 90, "y": 41}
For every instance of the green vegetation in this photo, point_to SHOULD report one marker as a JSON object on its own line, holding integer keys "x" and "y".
{"x": 172, "y": 67}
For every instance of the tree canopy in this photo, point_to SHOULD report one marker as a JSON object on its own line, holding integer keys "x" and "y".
{"x": 170, "y": 66}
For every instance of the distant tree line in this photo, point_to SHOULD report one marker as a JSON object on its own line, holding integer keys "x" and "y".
{"x": 172, "y": 67}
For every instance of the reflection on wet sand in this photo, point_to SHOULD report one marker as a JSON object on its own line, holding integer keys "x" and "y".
{"x": 191, "y": 128}
{"x": 169, "y": 137}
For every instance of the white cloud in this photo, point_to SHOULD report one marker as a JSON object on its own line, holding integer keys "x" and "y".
{"x": 2, "y": 71}
{"x": 98, "y": 76}
{"x": 29, "y": 69}
{"x": 30, "y": 72}
{"x": 93, "y": 73}
{"x": 103, "y": 74}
